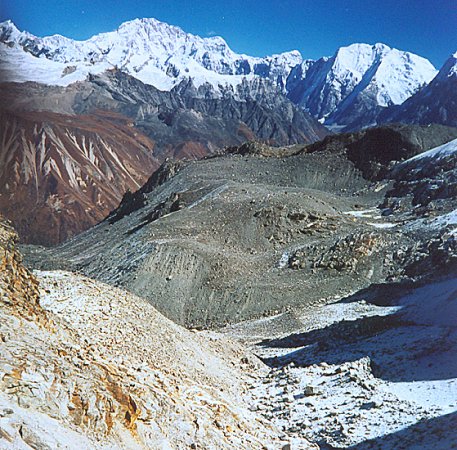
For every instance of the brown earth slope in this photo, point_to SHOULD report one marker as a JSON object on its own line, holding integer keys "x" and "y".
{"x": 69, "y": 153}
{"x": 61, "y": 174}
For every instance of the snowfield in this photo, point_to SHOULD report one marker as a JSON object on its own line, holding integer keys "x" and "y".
{"x": 436, "y": 153}
{"x": 152, "y": 51}
{"x": 358, "y": 375}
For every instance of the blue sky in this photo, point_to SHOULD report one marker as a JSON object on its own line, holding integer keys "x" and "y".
{"x": 314, "y": 27}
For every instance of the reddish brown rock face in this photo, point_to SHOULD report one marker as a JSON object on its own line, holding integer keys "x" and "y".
{"x": 61, "y": 174}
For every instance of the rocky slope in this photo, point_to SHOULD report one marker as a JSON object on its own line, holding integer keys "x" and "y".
{"x": 353, "y": 265}
{"x": 71, "y": 153}
{"x": 374, "y": 151}
{"x": 252, "y": 109}
{"x": 82, "y": 368}
{"x": 61, "y": 174}
{"x": 244, "y": 235}
{"x": 435, "y": 103}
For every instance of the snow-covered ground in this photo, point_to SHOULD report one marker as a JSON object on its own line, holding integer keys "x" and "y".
{"x": 436, "y": 153}
{"x": 448, "y": 220}
{"x": 373, "y": 214}
{"x": 357, "y": 375}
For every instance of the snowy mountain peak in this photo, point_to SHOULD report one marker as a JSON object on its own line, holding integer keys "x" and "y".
{"x": 449, "y": 68}
{"x": 357, "y": 77}
{"x": 384, "y": 66}
{"x": 8, "y": 25}
{"x": 376, "y": 75}
{"x": 435, "y": 103}
{"x": 10, "y": 33}
{"x": 150, "y": 50}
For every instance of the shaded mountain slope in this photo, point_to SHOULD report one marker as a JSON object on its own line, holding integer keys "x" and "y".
{"x": 374, "y": 150}
{"x": 352, "y": 88}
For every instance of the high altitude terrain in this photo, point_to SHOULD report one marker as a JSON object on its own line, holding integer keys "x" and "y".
{"x": 81, "y": 368}
{"x": 334, "y": 263}
{"x": 258, "y": 230}
{"x": 435, "y": 103}
{"x": 349, "y": 89}
{"x": 71, "y": 153}
{"x": 170, "y": 94}
{"x": 255, "y": 281}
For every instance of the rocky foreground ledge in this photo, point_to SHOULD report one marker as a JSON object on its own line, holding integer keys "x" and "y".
{"x": 81, "y": 368}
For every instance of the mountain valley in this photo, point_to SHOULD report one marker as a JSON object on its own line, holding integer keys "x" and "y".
{"x": 331, "y": 284}
{"x": 201, "y": 249}
{"x": 184, "y": 96}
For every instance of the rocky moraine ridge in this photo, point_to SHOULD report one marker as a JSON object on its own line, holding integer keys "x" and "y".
{"x": 205, "y": 240}
{"x": 246, "y": 278}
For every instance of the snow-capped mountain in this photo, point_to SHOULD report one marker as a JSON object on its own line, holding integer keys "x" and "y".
{"x": 152, "y": 51}
{"x": 349, "y": 89}
{"x": 435, "y": 103}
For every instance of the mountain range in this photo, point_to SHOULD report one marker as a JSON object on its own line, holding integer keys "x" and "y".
{"x": 357, "y": 81}
{"x": 117, "y": 105}
{"x": 252, "y": 273}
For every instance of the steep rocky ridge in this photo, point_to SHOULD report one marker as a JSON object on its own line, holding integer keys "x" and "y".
{"x": 244, "y": 235}
{"x": 435, "y": 103}
{"x": 253, "y": 109}
{"x": 111, "y": 132}
{"x": 18, "y": 287}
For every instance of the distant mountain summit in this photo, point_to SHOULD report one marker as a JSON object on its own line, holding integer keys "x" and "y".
{"x": 351, "y": 88}
{"x": 346, "y": 91}
{"x": 435, "y": 103}
{"x": 86, "y": 121}
{"x": 152, "y": 51}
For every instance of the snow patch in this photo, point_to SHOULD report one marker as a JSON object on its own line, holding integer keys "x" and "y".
{"x": 440, "y": 152}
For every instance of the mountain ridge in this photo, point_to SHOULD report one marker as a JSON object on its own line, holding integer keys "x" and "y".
{"x": 338, "y": 90}
{"x": 156, "y": 61}
{"x": 116, "y": 116}
{"x": 435, "y": 103}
